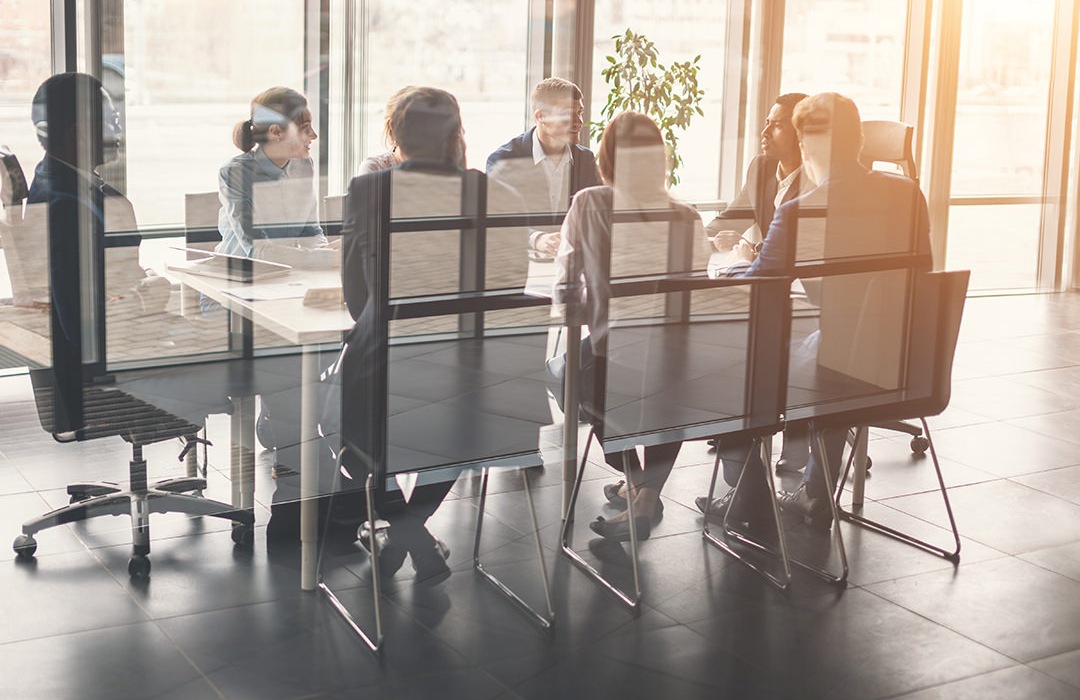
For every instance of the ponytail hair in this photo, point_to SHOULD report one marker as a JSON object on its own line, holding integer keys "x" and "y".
{"x": 278, "y": 105}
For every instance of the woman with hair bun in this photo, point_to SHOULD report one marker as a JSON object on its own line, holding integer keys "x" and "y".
{"x": 268, "y": 205}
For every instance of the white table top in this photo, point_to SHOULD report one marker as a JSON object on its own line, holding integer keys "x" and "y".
{"x": 287, "y": 317}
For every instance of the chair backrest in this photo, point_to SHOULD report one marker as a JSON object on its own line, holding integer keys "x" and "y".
{"x": 201, "y": 220}
{"x": 889, "y": 142}
{"x": 13, "y": 188}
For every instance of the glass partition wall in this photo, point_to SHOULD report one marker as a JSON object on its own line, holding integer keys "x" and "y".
{"x": 987, "y": 86}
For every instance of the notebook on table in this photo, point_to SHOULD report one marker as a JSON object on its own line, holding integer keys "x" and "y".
{"x": 235, "y": 268}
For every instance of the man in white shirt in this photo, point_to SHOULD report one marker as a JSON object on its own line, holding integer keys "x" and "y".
{"x": 546, "y": 165}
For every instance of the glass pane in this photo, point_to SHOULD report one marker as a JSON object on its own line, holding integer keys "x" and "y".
{"x": 680, "y": 32}
{"x": 189, "y": 80}
{"x": 25, "y": 62}
{"x": 1005, "y": 55}
{"x": 854, "y": 47}
{"x": 474, "y": 49}
{"x": 998, "y": 243}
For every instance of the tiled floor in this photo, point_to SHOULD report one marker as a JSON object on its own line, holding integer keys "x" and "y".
{"x": 214, "y": 622}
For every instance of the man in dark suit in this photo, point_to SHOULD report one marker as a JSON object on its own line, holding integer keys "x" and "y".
{"x": 774, "y": 177}
{"x": 853, "y": 212}
{"x": 546, "y": 165}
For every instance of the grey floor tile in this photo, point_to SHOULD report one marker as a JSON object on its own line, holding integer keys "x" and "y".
{"x": 1064, "y": 559}
{"x": 1063, "y": 483}
{"x": 1004, "y": 450}
{"x": 85, "y": 665}
{"x": 1006, "y": 684}
{"x": 60, "y": 594}
{"x": 1001, "y": 514}
{"x": 854, "y": 645}
{"x": 1065, "y": 667}
{"x": 1009, "y": 605}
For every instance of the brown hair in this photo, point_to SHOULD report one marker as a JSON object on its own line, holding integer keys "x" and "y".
{"x": 632, "y": 130}
{"x": 393, "y": 105}
{"x": 552, "y": 90}
{"x": 278, "y": 105}
{"x": 427, "y": 125}
{"x": 831, "y": 114}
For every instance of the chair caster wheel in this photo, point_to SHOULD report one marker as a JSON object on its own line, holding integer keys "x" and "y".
{"x": 25, "y": 546}
{"x": 243, "y": 535}
{"x": 919, "y": 445}
{"x": 869, "y": 462}
{"x": 138, "y": 566}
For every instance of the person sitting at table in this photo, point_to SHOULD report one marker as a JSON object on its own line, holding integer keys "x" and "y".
{"x": 546, "y": 165}
{"x": 269, "y": 208}
{"x": 633, "y": 166}
{"x": 392, "y": 157}
{"x": 867, "y": 213}
{"x": 428, "y": 134}
{"x": 772, "y": 178}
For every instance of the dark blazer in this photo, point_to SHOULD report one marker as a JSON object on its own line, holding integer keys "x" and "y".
{"x": 754, "y": 203}
{"x": 512, "y": 165}
{"x": 866, "y": 212}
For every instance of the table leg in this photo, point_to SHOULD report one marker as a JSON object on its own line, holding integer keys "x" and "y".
{"x": 242, "y": 453}
{"x": 309, "y": 469}
{"x": 570, "y": 414}
{"x": 858, "y": 482}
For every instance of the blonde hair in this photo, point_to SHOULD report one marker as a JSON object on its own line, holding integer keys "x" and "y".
{"x": 393, "y": 105}
{"x": 550, "y": 91}
{"x": 833, "y": 115}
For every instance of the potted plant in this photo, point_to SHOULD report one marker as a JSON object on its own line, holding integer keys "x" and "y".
{"x": 637, "y": 81}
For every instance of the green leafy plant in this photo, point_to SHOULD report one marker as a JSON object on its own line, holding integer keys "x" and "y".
{"x": 638, "y": 81}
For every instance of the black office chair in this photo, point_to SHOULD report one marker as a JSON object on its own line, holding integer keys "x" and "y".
{"x": 109, "y": 411}
{"x": 891, "y": 142}
{"x": 938, "y": 308}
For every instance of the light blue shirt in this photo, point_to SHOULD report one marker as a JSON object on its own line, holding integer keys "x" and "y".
{"x": 282, "y": 204}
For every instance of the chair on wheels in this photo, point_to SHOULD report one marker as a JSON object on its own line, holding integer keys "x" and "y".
{"x": 891, "y": 142}
{"x": 109, "y": 411}
{"x": 76, "y": 397}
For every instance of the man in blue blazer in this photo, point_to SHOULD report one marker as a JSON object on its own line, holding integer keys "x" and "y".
{"x": 853, "y": 213}
{"x": 546, "y": 165}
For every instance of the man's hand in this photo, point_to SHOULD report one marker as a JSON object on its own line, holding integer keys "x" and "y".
{"x": 548, "y": 243}
{"x": 724, "y": 240}
{"x": 744, "y": 250}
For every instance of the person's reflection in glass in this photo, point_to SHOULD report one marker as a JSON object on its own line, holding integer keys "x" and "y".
{"x": 130, "y": 289}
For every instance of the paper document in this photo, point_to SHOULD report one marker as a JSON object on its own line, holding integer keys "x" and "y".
{"x": 540, "y": 279}
{"x": 269, "y": 291}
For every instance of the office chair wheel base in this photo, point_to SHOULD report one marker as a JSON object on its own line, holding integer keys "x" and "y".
{"x": 243, "y": 535}
{"x": 919, "y": 445}
{"x": 138, "y": 567}
{"x": 24, "y": 546}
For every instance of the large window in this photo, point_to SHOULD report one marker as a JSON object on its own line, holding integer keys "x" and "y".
{"x": 680, "y": 31}
{"x": 475, "y": 49}
{"x": 189, "y": 81}
{"x": 854, "y": 47}
{"x": 999, "y": 151}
